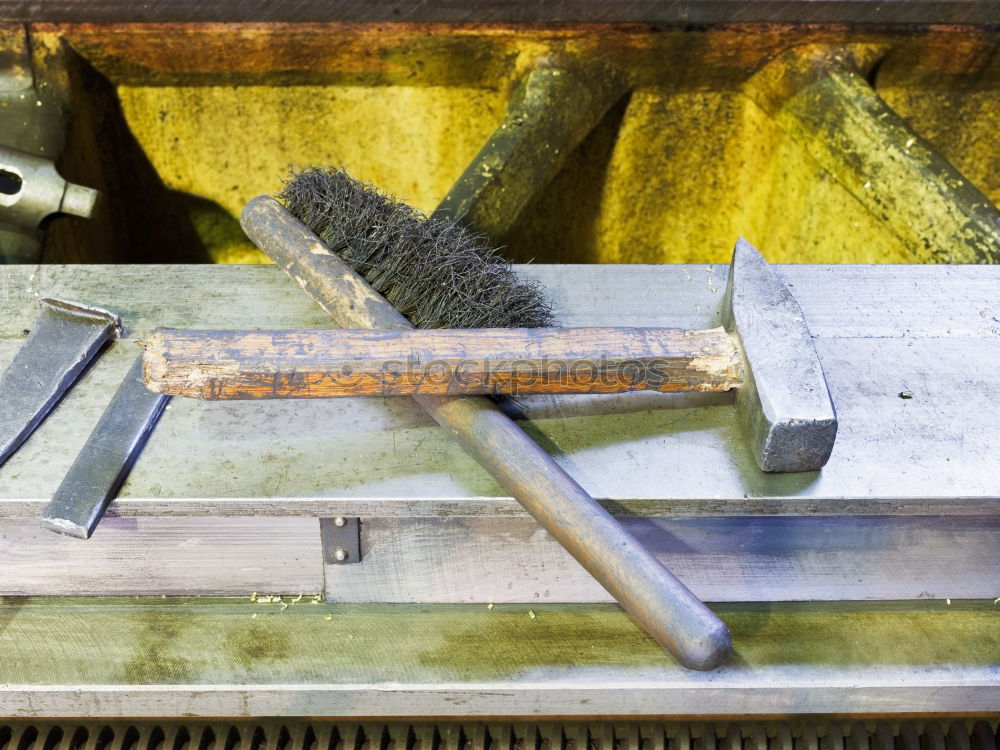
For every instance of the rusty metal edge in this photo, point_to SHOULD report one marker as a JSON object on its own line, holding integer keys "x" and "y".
{"x": 675, "y": 12}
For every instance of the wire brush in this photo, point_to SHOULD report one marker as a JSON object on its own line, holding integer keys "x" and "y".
{"x": 434, "y": 271}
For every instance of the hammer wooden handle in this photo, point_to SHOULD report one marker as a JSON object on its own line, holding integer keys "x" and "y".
{"x": 225, "y": 365}
{"x": 659, "y": 602}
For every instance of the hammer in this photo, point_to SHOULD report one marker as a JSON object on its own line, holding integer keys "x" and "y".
{"x": 662, "y": 605}
{"x": 764, "y": 351}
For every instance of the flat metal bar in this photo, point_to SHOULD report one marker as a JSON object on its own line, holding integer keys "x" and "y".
{"x": 164, "y": 557}
{"x": 839, "y": 301}
{"x": 458, "y": 560}
{"x": 774, "y": 692}
{"x": 106, "y": 458}
{"x": 62, "y": 342}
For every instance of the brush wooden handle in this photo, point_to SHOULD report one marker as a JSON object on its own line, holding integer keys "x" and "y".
{"x": 227, "y": 365}
{"x": 650, "y": 593}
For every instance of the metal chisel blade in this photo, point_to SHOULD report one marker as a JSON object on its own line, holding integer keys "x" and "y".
{"x": 106, "y": 459}
{"x": 66, "y": 336}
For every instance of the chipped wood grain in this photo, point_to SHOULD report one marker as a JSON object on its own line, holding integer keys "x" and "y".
{"x": 228, "y": 365}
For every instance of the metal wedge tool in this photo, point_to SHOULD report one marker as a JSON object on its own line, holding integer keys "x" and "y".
{"x": 64, "y": 339}
{"x": 106, "y": 458}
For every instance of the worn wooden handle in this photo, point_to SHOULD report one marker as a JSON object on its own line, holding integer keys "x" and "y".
{"x": 227, "y": 365}
{"x": 650, "y": 593}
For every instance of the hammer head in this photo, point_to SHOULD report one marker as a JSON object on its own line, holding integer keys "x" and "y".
{"x": 784, "y": 401}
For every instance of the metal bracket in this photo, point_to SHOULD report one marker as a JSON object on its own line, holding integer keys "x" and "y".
{"x": 341, "y": 540}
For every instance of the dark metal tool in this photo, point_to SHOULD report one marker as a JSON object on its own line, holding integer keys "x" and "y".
{"x": 64, "y": 339}
{"x": 34, "y": 113}
{"x": 784, "y": 400}
{"x": 30, "y": 190}
{"x": 106, "y": 458}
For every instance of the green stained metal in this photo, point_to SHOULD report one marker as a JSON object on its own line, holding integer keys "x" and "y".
{"x": 153, "y": 656}
{"x": 550, "y": 112}
{"x": 143, "y": 640}
{"x": 820, "y": 97}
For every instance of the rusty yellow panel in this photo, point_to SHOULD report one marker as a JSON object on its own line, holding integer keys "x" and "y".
{"x": 689, "y": 172}
{"x": 693, "y": 171}
{"x": 688, "y": 162}
{"x": 963, "y": 125}
{"x": 229, "y": 144}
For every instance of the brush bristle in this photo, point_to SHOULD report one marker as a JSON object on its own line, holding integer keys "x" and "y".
{"x": 435, "y": 272}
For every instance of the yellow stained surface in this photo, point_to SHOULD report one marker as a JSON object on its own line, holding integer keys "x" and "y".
{"x": 229, "y": 144}
{"x": 719, "y": 168}
{"x": 677, "y": 179}
{"x": 963, "y": 126}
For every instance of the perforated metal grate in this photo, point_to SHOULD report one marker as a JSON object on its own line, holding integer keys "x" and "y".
{"x": 959, "y": 734}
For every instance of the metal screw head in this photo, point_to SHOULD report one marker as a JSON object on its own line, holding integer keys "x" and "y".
{"x": 340, "y": 555}
{"x": 338, "y": 521}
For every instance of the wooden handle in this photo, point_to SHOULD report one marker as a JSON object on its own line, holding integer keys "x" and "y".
{"x": 226, "y": 365}
{"x": 650, "y": 593}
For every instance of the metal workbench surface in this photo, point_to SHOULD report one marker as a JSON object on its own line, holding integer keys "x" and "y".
{"x": 225, "y": 501}
{"x": 933, "y": 331}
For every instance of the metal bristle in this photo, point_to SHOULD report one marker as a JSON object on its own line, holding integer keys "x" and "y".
{"x": 434, "y": 271}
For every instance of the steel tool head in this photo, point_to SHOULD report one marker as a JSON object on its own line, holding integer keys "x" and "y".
{"x": 64, "y": 339}
{"x": 107, "y": 457}
{"x": 784, "y": 400}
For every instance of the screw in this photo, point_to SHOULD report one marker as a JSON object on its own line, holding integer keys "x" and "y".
{"x": 338, "y": 521}
{"x": 340, "y": 555}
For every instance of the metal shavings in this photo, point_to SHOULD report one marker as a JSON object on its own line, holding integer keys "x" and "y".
{"x": 531, "y": 614}
{"x": 328, "y": 617}
{"x": 284, "y": 606}
{"x": 906, "y": 394}
{"x": 489, "y": 606}
{"x": 434, "y": 271}
{"x": 297, "y": 599}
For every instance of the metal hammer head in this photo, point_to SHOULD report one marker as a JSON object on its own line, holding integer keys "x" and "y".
{"x": 784, "y": 400}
